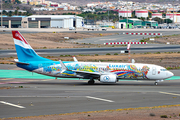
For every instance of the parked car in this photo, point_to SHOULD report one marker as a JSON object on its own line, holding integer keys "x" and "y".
{"x": 72, "y": 28}
{"x": 104, "y": 29}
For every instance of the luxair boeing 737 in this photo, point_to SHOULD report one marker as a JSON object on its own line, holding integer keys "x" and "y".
{"x": 105, "y": 72}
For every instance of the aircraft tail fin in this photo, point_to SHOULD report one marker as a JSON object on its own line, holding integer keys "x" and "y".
{"x": 24, "y": 51}
{"x": 75, "y": 60}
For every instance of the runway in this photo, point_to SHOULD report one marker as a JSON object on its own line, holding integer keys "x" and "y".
{"x": 77, "y": 51}
{"x": 33, "y": 97}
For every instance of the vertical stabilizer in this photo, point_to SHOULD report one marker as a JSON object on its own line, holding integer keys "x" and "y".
{"x": 24, "y": 50}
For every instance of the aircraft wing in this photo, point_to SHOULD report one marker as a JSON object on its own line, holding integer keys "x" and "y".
{"x": 81, "y": 73}
{"x": 85, "y": 72}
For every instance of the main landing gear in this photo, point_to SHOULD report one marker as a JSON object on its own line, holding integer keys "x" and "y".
{"x": 91, "y": 81}
{"x": 156, "y": 83}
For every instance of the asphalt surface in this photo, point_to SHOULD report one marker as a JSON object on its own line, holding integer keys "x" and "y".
{"x": 77, "y": 51}
{"x": 51, "y": 96}
{"x": 119, "y": 37}
{"x": 32, "y": 97}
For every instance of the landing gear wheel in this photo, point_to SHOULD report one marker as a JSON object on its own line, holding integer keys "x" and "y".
{"x": 156, "y": 83}
{"x": 91, "y": 82}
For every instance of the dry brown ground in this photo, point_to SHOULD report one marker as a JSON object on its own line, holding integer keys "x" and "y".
{"x": 162, "y": 59}
{"x": 145, "y": 113}
{"x": 49, "y": 40}
{"x": 172, "y": 39}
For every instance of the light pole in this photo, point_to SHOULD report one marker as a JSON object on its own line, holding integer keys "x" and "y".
{"x": 1, "y": 15}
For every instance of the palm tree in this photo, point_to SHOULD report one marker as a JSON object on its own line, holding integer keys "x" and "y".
{"x": 17, "y": 8}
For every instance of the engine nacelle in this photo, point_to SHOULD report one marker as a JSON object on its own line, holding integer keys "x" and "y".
{"x": 108, "y": 78}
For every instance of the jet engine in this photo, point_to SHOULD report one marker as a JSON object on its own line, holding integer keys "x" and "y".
{"x": 108, "y": 78}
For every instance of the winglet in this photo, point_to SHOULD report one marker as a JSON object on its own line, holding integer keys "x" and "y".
{"x": 75, "y": 60}
{"x": 62, "y": 65}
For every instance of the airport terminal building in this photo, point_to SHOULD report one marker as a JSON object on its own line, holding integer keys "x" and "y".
{"x": 52, "y": 21}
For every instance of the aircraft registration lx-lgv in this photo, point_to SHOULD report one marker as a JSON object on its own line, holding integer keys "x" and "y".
{"x": 105, "y": 72}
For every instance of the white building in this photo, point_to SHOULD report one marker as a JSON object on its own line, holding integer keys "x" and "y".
{"x": 54, "y": 21}
{"x": 176, "y": 17}
{"x": 170, "y": 16}
{"x": 141, "y": 13}
{"x": 125, "y": 13}
{"x": 159, "y": 15}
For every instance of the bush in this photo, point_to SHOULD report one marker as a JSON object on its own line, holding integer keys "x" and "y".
{"x": 108, "y": 54}
{"x": 152, "y": 114}
{"x": 96, "y": 54}
{"x": 142, "y": 41}
{"x": 157, "y": 52}
{"x": 164, "y": 116}
{"x": 115, "y": 53}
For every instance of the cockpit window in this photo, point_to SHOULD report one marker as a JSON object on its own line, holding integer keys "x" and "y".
{"x": 163, "y": 69}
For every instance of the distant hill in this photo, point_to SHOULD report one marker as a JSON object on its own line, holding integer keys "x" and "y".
{"x": 84, "y": 2}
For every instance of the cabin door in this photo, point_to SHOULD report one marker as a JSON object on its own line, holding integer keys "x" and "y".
{"x": 154, "y": 71}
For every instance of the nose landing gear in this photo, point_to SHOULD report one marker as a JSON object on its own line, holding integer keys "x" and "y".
{"x": 156, "y": 82}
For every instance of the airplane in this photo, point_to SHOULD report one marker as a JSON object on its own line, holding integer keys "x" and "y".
{"x": 105, "y": 72}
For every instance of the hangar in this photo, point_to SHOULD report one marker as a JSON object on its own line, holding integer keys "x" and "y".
{"x": 52, "y": 21}
{"x": 11, "y": 22}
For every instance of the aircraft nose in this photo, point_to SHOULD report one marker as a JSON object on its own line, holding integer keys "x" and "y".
{"x": 170, "y": 74}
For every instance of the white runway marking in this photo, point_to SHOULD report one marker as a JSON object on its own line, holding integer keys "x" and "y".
{"x": 42, "y": 96}
{"x": 107, "y": 39}
{"x": 99, "y": 99}
{"x": 11, "y": 104}
{"x": 169, "y": 93}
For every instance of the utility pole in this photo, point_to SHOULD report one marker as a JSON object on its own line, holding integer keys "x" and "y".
{"x": 173, "y": 11}
{"x": 127, "y": 13}
{"x": 108, "y": 10}
{"x": 1, "y": 15}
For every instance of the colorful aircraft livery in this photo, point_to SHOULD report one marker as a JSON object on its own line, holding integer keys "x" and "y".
{"x": 29, "y": 60}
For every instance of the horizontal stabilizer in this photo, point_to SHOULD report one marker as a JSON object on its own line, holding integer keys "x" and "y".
{"x": 23, "y": 63}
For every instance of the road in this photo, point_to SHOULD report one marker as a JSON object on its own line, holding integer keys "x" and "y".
{"x": 32, "y": 97}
